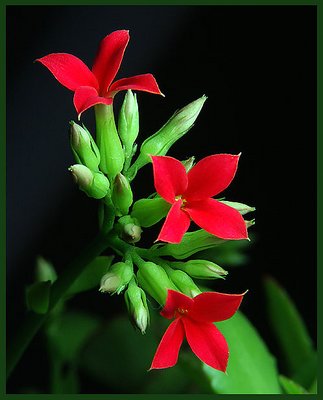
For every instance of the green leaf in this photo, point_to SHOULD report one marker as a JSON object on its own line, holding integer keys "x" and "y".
{"x": 44, "y": 270}
{"x": 68, "y": 333}
{"x": 291, "y": 387}
{"x": 37, "y": 297}
{"x": 291, "y": 334}
{"x": 119, "y": 357}
{"x": 251, "y": 368}
{"x": 91, "y": 276}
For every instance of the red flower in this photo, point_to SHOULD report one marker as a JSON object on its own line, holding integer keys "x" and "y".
{"x": 190, "y": 195}
{"x": 194, "y": 320}
{"x": 96, "y": 87}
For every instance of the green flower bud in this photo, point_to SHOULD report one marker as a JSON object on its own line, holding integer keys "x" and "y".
{"x": 129, "y": 229}
{"x": 117, "y": 278}
{"x": 122, "y": 194}
{"x": 200, "y": 269}
{"x": 191, "y": 243}
{"x": 150, "y": 211}
{"x": 128, "y": 124}
{"x": 94, "y": 184}
{"x": 242, "y": 208}
{"x": 44, "y": 271}
{"x": 84, "y": 148}
{"x": 137, "y": 306}
{"x": 111, "y": 151}
{"x": 100, "y": 186}
{"x": 184, "y": 283}
{"x": 189, "y": 163}
{"x": 179, "y": 124}
{"x": 154, "y": 280}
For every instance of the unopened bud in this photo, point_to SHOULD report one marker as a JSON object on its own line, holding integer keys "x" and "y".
{"x": 129, "y": 229}
{"x": 84, "y": 148}
{"x": 122, "y": 194}
{"x": 200, "y": 269}
{"x": 242, "y": 208}
{"x": 117, "y": 278}
{"x": 128, "y": 124}
{"x": 82, "y": 175}
{"x": 137, "y": 306}
{"x": 150, "y": 211}
{"x": 155, "y": 281}
{"x": 183, "y": 282}
{"x": 94, "y": 184}
{"x": 191, "y": 243}
{"x": 176, "y": 127}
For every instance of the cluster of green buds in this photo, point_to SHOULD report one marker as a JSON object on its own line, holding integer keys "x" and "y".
{"x": 104, "y": 171}
{"x": 103, "y": 167}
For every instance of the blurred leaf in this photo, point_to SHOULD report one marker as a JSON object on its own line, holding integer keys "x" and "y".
{"x": 313, "y": 387}
{"x": 119, "y": 357}
{"x": 231, "y": 253}
{"x": 291, "y": 334}
{"x": 251, "y": 368}
{"x": 64, "y": 377}
{"x": 68, "y": 333}
{"x": 44, "y": 270}
{"x": 37, "y": 297}
{"x": 91, "y": 276}
{"x": 291, "y": 387}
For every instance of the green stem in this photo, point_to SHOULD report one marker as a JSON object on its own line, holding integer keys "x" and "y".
{"x": 33, "y": 321}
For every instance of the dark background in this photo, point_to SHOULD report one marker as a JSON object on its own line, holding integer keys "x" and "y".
{"x": 257, "y": 65}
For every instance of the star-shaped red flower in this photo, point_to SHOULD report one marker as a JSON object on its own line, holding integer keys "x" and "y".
{"x": 190, "y": 195}
{"x": 96, "y": 87}
{"x": 194, "y": 320}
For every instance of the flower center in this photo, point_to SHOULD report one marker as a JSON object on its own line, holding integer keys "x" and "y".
{"x": 180, "y": 312}
{"x": 179, "y": 197}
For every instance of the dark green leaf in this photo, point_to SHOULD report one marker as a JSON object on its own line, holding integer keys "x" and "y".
{"x": 68, "y": 333}
{"x": 91, "y": 276}
{"x": 291, "y": 334}
{"x": 119, "y": 357}
{"x": 291, "y": 387}
{"x": 251, "y": 368}
{"x": 37, "y": 297}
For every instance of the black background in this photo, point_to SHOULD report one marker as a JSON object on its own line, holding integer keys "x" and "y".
{"x": 257, "y": 65}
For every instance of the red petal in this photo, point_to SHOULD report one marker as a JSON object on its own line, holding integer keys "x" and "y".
{"x": 167, "y": 352}
{"x": 211, "y": 176}
{"x": 176, "y": 224}
{"x": 108, "y": 58}
{"x": 174, "y": 301}
{"x": 214, "y": 306}
{"x": 207, "y": 343}
{"x": 69, "y": 70}
{"x": 217, "y": 218}
{"x": 144, "y": 83}
{"x": 86, "y": 97}
{"x": 170, "y": 177}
